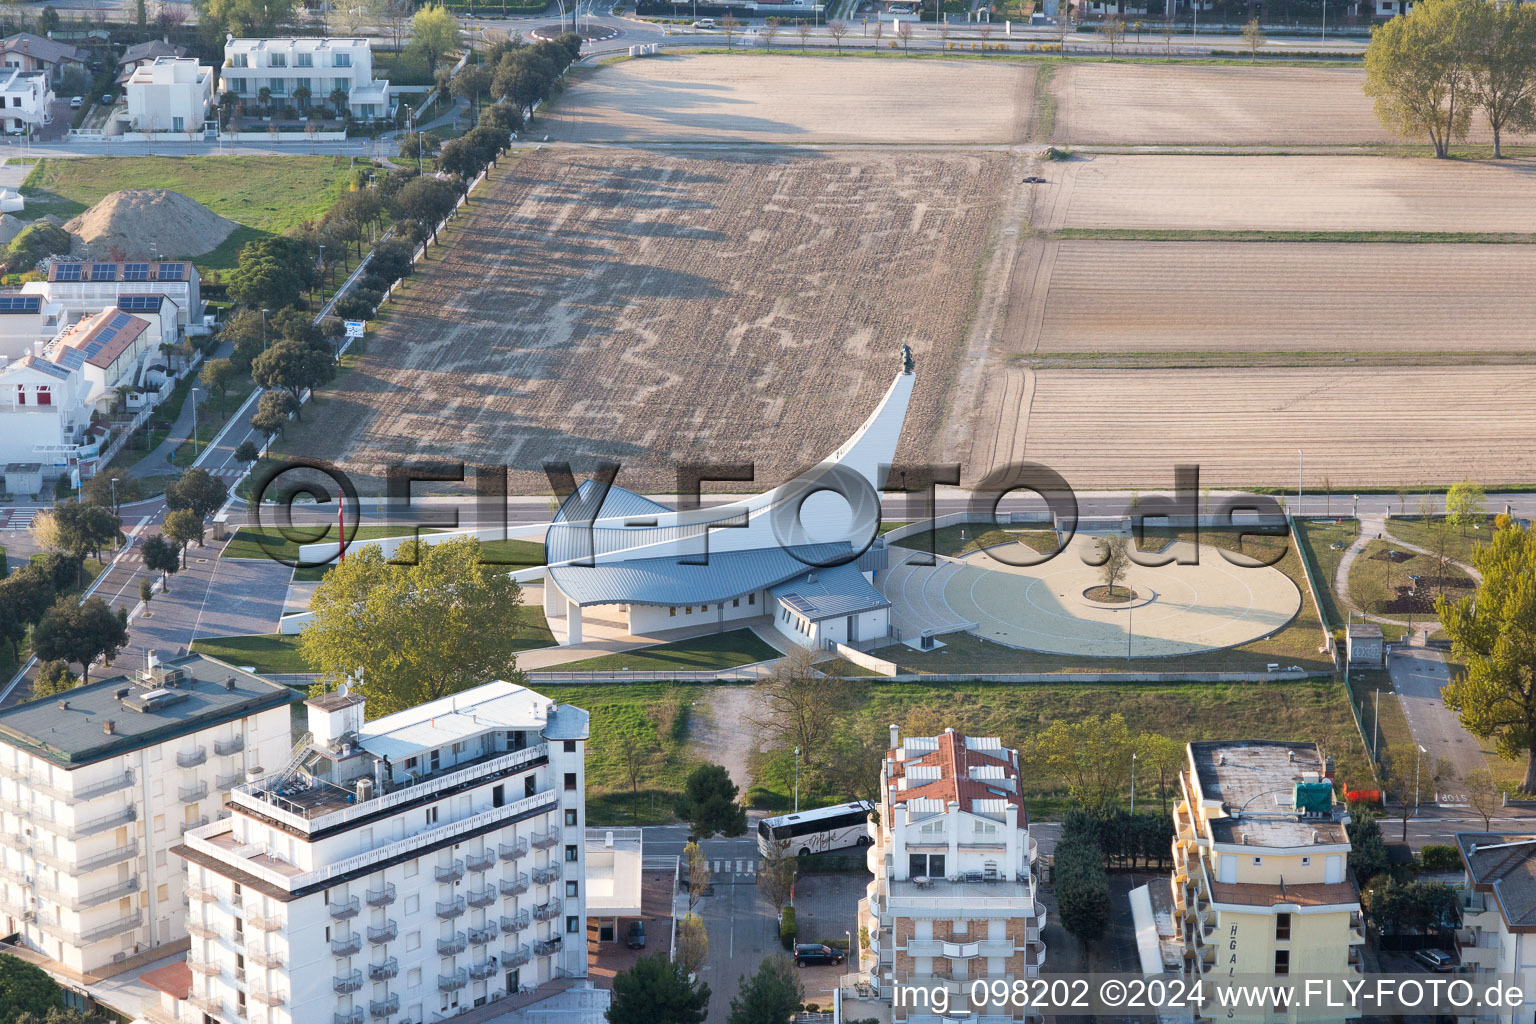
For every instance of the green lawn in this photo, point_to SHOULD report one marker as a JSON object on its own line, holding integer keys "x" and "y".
{"x": 266, "y": 194}
{"x": 270, "y": 542}
{"x": 963, "y": 538}
{"x": 1320, "y": 539}
{"x": 1378, "y": 584}
{"x": 699, "y": 654}
{"x": 1459, "y": 543}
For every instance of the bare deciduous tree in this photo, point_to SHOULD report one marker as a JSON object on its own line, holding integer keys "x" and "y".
{"x": 696, "y": 872}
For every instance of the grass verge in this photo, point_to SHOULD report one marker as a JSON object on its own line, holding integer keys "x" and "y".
{"x": 1327, "y": 540}
{"x": 1380, "y": 584}
{"x": 1421, "y": 532}
{"x": 698, "y": 654}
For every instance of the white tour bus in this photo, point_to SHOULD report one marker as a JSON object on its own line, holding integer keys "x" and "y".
{"x": 826, "y": 828}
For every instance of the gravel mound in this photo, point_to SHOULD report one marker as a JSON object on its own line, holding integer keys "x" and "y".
{"x": 142, "y": 223}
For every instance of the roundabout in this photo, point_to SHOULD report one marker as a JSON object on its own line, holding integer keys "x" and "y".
{"x": 1175, "y": 609}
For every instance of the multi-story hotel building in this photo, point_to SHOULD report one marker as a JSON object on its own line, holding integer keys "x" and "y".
{"x": 98, "y": 784}
{"x": 398, "y": 870}
{"x": 954, "y": 897}
{"x": 1261, "y": 882}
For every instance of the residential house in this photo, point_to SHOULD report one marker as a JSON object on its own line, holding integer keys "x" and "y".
{"x": 173, "y": 94}
{"x": 144, "y": 54}
{"x": 80, "y": 289}
{"x": 1497, "y": 936}
{"x": 1261, "y": 882}
{"x": 27, "y": 97}
{"x": 320, "y": 65}
{"x": 403, "y": 869}
{"x": 25, "y": 320}
{"x": 97, "y": 785}
{"x": 29, "y": 52}
{"x": 954, "y": 898}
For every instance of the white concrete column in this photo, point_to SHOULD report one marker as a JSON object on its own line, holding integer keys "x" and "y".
{"x": 573, "y": 623}
{"x": 1014, "y": 862}
{"x": 952, "y": 828}
{"x": 553, "y": 606}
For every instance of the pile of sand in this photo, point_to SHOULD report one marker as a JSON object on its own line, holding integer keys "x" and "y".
{"x": 10, "y": 227}
{"x": 143, "y": 223}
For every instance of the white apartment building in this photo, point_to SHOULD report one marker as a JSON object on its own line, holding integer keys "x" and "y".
{"x": 400, "y": 870}
{"x": 26, "y": 96}
{"x": 1497, "y": 936}
{"x": 25, "y": 320}
{"x": 174, "y": 94}
{"x": 319, "y": 65}
{"x": 954, "y": 896}
{"x": 96, "y": 786}
{"x": 80, "y": 289}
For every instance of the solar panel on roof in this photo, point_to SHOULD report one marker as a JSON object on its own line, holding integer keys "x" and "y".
{"x": 172, "y": 271}
{"x": 119, "y": 322}
{"x": 20, "y": 303}
{"x": 136, "y": 272}
{"x": 67, "y": 271}
{"x": 139, "y": 303}
{"x": 104, "y": 272}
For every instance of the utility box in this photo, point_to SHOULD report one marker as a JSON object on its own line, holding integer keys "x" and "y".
{"x": 1364, "y": 645}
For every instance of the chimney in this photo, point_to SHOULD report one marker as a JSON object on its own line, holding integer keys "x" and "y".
{"x": 37, "y": 349}
{"x": 608, "y": 839}
{"x": 109, "y": 727}
{"x": 895, "y": 736}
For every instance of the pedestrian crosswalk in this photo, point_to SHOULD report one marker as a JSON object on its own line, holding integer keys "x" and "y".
{"x": 723, "y": 869}
{"x": 19, "y": 518}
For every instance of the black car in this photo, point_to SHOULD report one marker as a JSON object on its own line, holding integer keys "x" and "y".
{"x": 635, "y": 937}
{"x": 815, "y": 953}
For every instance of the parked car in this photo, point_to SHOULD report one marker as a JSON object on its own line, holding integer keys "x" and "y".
{"x": 635, "y": 937}
{"x": 107, "y": 99}
{"x": 704, "y": 23}
{"x": 1436, "y": 960}
{"x": 77, "y": 103}
{"x": 807, "y": 953}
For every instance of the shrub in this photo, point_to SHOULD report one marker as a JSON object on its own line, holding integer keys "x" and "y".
{"x": 1439, "y": 858}
{"x": 787, "y": 929}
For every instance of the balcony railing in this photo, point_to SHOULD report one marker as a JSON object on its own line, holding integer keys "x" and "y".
{"x": 198, "y": 929}
{"x": 118, "y": 890}
{"x": 451, "y": 909}
{"x": 517, "y": 923}
{"x": 384, "y": 971}
{"x": 95, "y": 826}
{"x": 452, "y": 982}
{"x": 352, "y": 1016}
{"x": 96, "y": 789}
{"x": 453, "y": 945}
{"x": 343, "y": 909}
{"x": 346, "y": 945}
{"x": 348, "y": 983}
{"x": 516, "y": 956}
{"x": 188, "y": 826}
{"x": 378, "y": 934}
{"x": 209, "y": 1004}
{"x": 547, "y": 911}
{"x": 262, "y": 922}
{"x": 482, "y": 936}
{"x": 512, "y": 851}
{"x": 203, "y": 966}
{"x": 547, "y": 947}
{"x": 481, "y": 897}
{"x": 229, "y": 780}
{"x": 547, "y": 875}
{"x": 514, "y": 886}
{"x": 482, "y": 861}
{"x": 225, "y": 748}
{"x": 192, "y": 794}
{"x": 544, "y": 840}
{"x": 107, "y": 931}
{"x": 264, "y": 958}
{"x": 484, "y": 969}
{"x": 201, "y": 895}
{"x": 381, "y": 897}
{"x": 449, "y": 872}
{"x": 127, "y": 851}
{"x": 384, "y": 1007}
{"x": 191, "y": 758}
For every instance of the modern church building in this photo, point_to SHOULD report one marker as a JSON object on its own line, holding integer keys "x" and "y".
{"x": 805, "y": 552}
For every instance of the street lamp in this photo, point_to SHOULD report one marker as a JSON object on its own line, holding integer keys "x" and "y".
{"x": 797, "y": 780}
{"x": 264, "y": 313}
{"x": 1418, "y": 774}
{"x": 321, "y": 268}
{"x": 194, "y": 393}
{"x": 114, "y": 495}
{"x": 1133, "y": 783}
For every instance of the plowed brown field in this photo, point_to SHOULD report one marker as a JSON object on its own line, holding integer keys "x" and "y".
{"x": 654, "y": 309}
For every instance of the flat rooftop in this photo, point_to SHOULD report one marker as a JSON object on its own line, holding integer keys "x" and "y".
{"x": 208, "y": 693}
{"x": 1255, "y": 780}
{"x": 461, "y": 716}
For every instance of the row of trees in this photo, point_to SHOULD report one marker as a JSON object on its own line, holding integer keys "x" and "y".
{"x": 1429, "y": 70}
{"x": 658, "y": 991}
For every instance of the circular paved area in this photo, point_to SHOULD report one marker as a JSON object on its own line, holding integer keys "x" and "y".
{"x": 1189, "y": 608}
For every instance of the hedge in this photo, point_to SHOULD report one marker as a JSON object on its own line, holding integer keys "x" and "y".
{"x": 787, "y": 928}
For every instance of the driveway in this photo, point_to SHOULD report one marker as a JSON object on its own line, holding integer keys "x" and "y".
{"x": 1418, "y": 676}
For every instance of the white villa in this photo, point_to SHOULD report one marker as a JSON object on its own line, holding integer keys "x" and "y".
{"x": 320, "y": 65}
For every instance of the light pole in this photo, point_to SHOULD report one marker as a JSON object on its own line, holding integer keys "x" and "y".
{"x": 1357, "y": 513}
{"x": 1130, "y": 616}
{"x": 1300, "y": 457}
{"x": 114, "y": 494}
{"x": 797, "y": 780}
{"x": 193, "y": 395}
{"x": 1418, "y": 775}
{"x": 321, "y": 268}
{"x": 1133, "y": 783}
{"x": 264, "y": 313}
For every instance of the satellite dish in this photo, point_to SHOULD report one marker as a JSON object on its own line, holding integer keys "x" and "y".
{"x": 344, "y": 689}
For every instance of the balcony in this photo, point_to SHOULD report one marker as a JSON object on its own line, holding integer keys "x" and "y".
{"x": 384, "y": 971}
{"x": 262, "y": 922}
{"x": 449, "y": 872}
{"x": 347, "y": 983}
{"x": 482, "y": 936}
{"x": 378, "y": 934}
{"x": 481, "y": 897}
{"x": 514, "y": 924}
{"x": 192, "y": 794}
{"x": 118, "y": 927}
{"x": 198, "y": 929}
{"x": 264, "y": 958}
{"x": 209, "y": 1004}
{"x": 224, "y": 748}
{"x": 482, "y": 861}
{"x": 546, "y": 875}
{"x": 452, "y": 982}
{"x": 128, "y": 851}
{"x": 96, "y": 898}
{"x": 95, "y": 826}
{"x": 1357, "y": 959}
{"x": 347, "y": 945}
{"x": 451, "y": 909}
{"x": 514, "y": 886}
{"x": 381, "y": 897}
{"x": 516, "y": 956}
{"x": 191, "y": 758}
{"x": 203, "y": 967}
{"x": 229, "y": 780}
{"x": 188, "y": 826}
{"x": 1034, "y": 955}
{"x": 547, "y": 947}
{"x": 343, "y": 909}
{"x": 353, "y": 1016}
{"x": 453, "y": 945}
{"x": 547, "y": 911}
{"x": 512, "y": 851}
{"x": 16, "y": 842}
{"x": 544, "y": 840}
{"x": 484, "y": 969}
{"x": 115, "y": 784}
{"x": 201, "y": 895}
{"x": 384, "y": 1007}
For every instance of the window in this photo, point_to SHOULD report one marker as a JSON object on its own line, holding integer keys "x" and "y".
{"x": 163, "y": 893}
{"x": 1258, "y": 860}
{"x": 570, "y": 780}
{"x": 411, "y": 868}
{"x": 1282, "y": 926}
{"x": 530, "y": 786}
{"x": 178, "y": 124}
{"x": 343, "y": 60}
{"x": 498, "y": 796}
{"x": 279, "y": 60}
{"x": 572, "y": 924}
{"x": 412, "y": 904}
{"x": 571, "y": 889}
{"x": 413, "y": 942}
{"x": 752, "y": 598}
{"x": 672, "y": 612}
{"x": 570, "y": 854}
{"x": 431, "y": 815}
{"x": 238, "y": 60}
{"x": 925, "y": 865}
{"x": 1282, "y": 962}
{"x": 304, "y": 60}
{"x": 570, "y": 746}
{"x": 570, "y": 816}
{"x": 1305, "y": 861}
{"x": 735, "y": 602}
{"x": 458, "y": 748}
{"x": 413, "y": 977}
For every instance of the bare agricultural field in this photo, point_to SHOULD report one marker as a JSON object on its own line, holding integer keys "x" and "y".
{"x": 762, "y": 98}
{"x": 1109, "y": 103}
{"x": 1092, "y": 296}
{"x": 1361, "y": 427}
{"x": 654, "y": 309}
{"x": 1293, "y": 193}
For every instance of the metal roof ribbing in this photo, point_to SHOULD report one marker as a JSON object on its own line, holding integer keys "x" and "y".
{"x": 670, "y": 581}
{"x": 828, "y": 593}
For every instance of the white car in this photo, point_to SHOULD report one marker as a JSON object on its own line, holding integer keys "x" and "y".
{"x": 77, "y": 103}
{"x": 704, "y": 23}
